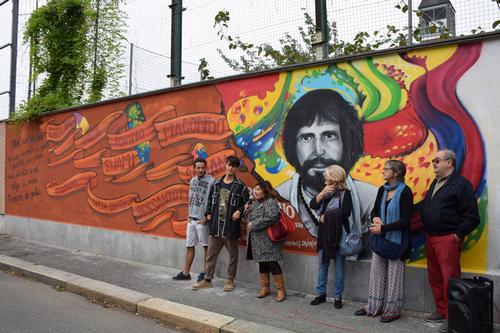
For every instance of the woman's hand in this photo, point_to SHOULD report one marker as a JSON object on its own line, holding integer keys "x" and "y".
{"x": 249, "y": 227}
{"x": 376, "y": 227}
{"x": 322, "y": 218}
{"x": 328, "y": 189}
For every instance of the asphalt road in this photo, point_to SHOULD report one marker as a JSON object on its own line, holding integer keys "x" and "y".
{"x": 29, "y": 306}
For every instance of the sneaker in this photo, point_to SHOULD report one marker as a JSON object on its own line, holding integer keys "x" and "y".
{"x": 318, "y": 300}
{"x": 337, "y": 303}
{"x": 443, "y": 327}
{"x": 201, "y": 276}
{"x": 203, "y": 284}
{"x": 435, "y": 318}
{"x": 229, "y": 286}
{"x": 182, "y": 276}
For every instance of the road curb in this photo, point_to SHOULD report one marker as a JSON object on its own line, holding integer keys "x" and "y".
{"x": 180, "y": 315}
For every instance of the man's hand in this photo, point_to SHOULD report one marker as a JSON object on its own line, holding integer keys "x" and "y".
{"x": 457, "y": 238}
{"x": 322, "y": 219}
{"x": 236, "y": 215}
{"x": 203, "y": 220}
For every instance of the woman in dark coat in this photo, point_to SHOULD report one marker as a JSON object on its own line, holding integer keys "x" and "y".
{"x": 261, "y": 214}
{"x": 391, "y": 217}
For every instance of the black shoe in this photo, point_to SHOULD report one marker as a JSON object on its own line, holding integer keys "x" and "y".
{"x": 337, "y": 303}
{"x": 388, "y": 319}
{"x": 182, "y": 276}
{"x": 318, "y": 300}
{"x": 360, "y": 312}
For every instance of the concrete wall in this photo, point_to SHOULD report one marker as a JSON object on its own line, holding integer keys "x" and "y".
{"x": 300, "y": 271}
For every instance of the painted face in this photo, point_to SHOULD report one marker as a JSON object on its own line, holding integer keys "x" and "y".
{"x": 318, "y": 146}
{"x": 442, "y": 166}
{"x": 200, "y": 169}
{"x": 230, "y": 170}
{"x": 258, "y": 193}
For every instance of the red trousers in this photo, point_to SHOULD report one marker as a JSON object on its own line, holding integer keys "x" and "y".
{"x": 443, "y": 263}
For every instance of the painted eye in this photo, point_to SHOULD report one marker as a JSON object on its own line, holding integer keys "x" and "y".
{"x": 331, "y": 135}
{"x": 306, "y": 137}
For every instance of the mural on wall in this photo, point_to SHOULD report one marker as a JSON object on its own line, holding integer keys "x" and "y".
{"x": 127, "y": 165}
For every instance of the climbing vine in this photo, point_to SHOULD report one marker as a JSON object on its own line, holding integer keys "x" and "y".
{"x": 75, "y": 50}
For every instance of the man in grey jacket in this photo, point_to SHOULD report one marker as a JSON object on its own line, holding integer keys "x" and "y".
{"x": 197, "y": 228}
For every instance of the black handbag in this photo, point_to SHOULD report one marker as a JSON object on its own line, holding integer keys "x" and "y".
{"x": 387, "y": 249}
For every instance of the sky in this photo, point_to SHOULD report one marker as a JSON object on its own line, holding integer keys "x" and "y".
{"x": 256, "y": 21}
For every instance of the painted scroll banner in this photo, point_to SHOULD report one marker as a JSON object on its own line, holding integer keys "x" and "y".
{"x": 200, "y": 126}
{"x": 119, "y": 139}
{"x": 57, "y": 132}
{"x": 75, "y": 183}
{"x": 172, "y": 196}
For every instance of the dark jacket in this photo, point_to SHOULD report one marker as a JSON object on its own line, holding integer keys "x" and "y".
{"x": 453, "y": 209}
{"x": 345, "y": 208}
{"x": 403, "y": 224}
{"x": 237, "y": 198}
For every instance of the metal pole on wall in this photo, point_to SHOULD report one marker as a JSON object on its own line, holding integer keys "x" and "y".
{"x": 410, "y": 22}
{"x": 321, "y": 39}
{"x": 13, "y": 57}
{"x": 176, "y": 44}
{"x": 131, "y": 63}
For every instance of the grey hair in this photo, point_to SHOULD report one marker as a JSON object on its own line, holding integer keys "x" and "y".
{"x": 449, "y": 155}
{"x": 397, "y": 167}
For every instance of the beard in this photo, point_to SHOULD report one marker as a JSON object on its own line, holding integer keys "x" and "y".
{"x": 315, "y": 179}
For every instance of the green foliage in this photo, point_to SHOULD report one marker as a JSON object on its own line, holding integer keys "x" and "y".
{"x": 77, "y": 59}
{"x": 57, "y": 33}
{"x": 291, "y": 51}
{"x": 203, "y": 69}
{"x": 106, "y": 49}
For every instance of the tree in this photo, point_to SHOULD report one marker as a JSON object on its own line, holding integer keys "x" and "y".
{"x": 76, "y": 63}
{"x": 292, "y": 51}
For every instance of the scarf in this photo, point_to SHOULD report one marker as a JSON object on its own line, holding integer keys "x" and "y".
{"x": 392, "y": 214}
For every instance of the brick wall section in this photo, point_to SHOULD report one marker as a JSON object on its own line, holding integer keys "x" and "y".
{"x": 2, "y": 167}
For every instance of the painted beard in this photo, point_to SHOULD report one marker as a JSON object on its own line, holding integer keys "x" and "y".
{"x": 314, "y": 178}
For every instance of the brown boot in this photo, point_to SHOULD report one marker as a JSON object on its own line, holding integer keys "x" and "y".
{"x": 280, "y": 287}
{"x": 264, "y": 285}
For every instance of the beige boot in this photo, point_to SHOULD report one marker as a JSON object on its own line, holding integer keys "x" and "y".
{"x": 264, "y": 285}
{"x": 280, "y": 287}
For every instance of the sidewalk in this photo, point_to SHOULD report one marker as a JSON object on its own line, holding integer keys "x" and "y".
{"x": 295, "y": 314}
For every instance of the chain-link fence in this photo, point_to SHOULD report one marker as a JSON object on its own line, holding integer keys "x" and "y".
{"x": 147, "y": 62}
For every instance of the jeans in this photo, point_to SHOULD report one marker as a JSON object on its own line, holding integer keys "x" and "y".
{"x": 323, "y": 275}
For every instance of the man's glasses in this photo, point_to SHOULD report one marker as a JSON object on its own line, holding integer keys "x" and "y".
{"x": 437, "y": 160}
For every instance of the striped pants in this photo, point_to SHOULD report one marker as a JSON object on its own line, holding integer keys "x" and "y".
{"x": 382, "y": 271}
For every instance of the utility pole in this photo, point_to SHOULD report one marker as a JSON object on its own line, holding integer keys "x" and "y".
{"x": 321, "y": 38}
{"x": 176, "y": 43}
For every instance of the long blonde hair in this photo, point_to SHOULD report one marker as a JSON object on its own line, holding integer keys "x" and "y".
{"x": 336, "y": 175}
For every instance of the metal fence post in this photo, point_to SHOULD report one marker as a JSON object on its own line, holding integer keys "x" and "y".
{"x": 410, "y": 22}
{"x": 131, "y": 63}
{"x": 13, "y": 58}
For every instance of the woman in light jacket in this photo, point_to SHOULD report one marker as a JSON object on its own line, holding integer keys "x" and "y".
{"x": 334, "y": 204}
{"x": 261, "y": 214}
{"x": 391, "y": 217}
